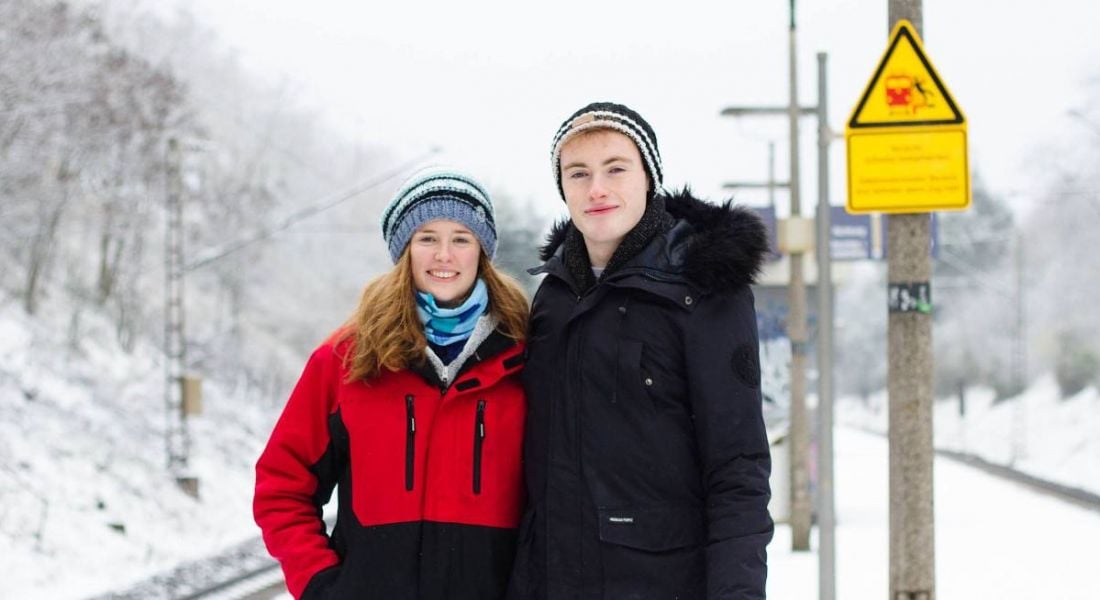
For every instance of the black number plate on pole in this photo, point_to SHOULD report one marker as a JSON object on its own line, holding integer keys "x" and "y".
{"x": 910, "y": 297}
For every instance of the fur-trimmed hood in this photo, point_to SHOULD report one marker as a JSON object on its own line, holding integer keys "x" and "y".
{"x": 714, "y": 246}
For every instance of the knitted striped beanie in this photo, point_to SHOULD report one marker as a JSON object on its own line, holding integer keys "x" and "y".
{"x": 439, "y": 193}
{"x": 607, "y": 115}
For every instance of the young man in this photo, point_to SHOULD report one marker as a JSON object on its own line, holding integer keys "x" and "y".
{"x": 646, "y": 457}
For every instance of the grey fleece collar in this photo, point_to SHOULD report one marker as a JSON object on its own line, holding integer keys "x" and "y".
{"x": 485, "y": 326}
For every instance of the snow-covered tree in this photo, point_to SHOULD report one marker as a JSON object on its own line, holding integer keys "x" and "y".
{"x": 976, "y": 298}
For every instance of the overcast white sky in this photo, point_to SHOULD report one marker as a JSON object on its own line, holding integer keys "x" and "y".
{"x": 490, "y": 82}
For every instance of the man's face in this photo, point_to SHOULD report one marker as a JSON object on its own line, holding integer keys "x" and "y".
{"x": 605, "y": 188}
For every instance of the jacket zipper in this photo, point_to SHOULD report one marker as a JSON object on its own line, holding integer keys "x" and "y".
{"x": 410, "y": 441}
{"x": 479, "y": 440}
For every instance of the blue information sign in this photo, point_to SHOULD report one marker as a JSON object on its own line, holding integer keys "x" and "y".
{"x": 851, "y": 237}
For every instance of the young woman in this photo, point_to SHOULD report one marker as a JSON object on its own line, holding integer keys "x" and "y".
{"x": 414, "y": 412}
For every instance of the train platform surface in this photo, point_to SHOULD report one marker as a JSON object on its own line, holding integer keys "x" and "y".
{"x": 995, "y": 539}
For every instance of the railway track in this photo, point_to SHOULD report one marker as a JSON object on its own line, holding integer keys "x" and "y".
{"x": 1072, "y": 495}
{"x": 243, "y": 572}
{"x": 265, "y": 583}
{"x": 1083, "y": 498}
{"x": 211, "y": 577}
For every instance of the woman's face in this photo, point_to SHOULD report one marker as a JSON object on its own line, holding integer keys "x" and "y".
{"x": 444, "y": 257}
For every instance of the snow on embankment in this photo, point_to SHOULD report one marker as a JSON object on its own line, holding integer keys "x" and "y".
{"x": 1038, "y": 432}
{"x": 86, "y": 504}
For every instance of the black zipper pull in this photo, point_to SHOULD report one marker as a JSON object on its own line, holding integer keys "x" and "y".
{"x": 410, "y": 441}
{"x": 479, "y": 440}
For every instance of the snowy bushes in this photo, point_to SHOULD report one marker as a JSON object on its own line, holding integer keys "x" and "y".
{"x": 1076, "y": 367}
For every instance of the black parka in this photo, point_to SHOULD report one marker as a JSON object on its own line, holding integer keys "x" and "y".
{"x": 646, "y": 458}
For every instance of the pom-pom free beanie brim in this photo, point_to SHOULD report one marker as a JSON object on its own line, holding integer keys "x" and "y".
{"x": 616, "y": 117}
{"x": 434, "y": 194}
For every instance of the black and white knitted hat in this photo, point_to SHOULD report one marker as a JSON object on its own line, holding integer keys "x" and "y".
{"x": 608, "y": 115}
{"x": 439, "y": 193}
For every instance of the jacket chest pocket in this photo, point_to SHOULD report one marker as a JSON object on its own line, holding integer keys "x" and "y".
{"x": 485, "y": 461}
{"x": 633, "y": 385}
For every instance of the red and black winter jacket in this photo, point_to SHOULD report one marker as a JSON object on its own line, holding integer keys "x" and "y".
{"x": 428, "y": 477}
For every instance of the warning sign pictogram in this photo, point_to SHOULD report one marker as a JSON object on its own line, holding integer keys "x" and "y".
{"x": 905, "y": 89}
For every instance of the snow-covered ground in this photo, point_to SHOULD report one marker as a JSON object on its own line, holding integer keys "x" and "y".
{"x": 85, "y": 503}
{"x": 994, "y": 539}
{"x": 1036, "y": 432}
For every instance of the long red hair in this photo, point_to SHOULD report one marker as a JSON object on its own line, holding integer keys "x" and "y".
{"x": 387, "y": 333}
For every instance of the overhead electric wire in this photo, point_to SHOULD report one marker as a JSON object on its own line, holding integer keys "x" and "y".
{"x": 304, "y": 213}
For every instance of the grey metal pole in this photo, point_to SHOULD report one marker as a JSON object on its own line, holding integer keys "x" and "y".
{"x": 796, "y": 330}
{"x": 912, "y": 543}
{"x": 825, "y": 512}
{"x": 771, "y": 175}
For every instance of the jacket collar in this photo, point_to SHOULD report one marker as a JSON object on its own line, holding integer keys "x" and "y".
{"x": 654, "y": 221}
{"x": 495, "y": 357}
{"x": 709, "y": 247}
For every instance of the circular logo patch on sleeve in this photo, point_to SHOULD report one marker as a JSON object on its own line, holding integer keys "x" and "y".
{"x": 746, "y": 364}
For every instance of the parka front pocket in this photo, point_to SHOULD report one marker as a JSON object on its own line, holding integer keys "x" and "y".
{"x": 652, "y": 528}
{"x": 653, "y": 552}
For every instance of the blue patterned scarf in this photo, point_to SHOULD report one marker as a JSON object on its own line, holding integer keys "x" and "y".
{"x": 445, "y": 326}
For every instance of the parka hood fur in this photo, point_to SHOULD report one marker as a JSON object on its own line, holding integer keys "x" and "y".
{"x": 724, "y": 249}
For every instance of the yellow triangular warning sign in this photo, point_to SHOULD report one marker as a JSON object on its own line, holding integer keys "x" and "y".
{"x": 905, "y": 89}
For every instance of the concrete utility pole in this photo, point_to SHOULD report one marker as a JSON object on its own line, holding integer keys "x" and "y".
{"x": 826, "y": 554}
{"x": 912, "y": 543}
{"x": 797, "y": 331}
